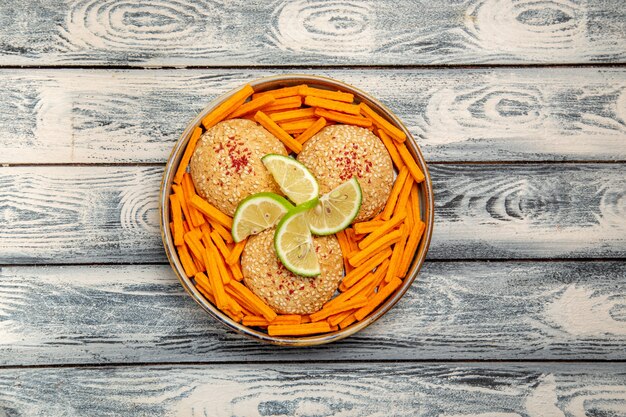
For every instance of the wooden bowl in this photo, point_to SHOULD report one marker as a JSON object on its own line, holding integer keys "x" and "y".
{"x": 426, "y": 209}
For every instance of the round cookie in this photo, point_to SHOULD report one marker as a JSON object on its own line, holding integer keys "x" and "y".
{"x": 226, "y": 165}
{"x": 339, "y": 152}
{"x": 283, "y": 291}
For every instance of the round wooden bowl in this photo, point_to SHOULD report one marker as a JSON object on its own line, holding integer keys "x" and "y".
{"x": 426, "y": 210}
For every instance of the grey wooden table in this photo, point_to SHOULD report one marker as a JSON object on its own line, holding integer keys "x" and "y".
{"x": 519, "y": 107}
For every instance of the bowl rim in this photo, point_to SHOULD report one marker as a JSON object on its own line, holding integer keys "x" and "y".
{"x": 426, "y": 202}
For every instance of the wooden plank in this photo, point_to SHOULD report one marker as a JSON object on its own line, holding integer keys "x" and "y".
{"x": 529, "y": 211}
{"x": 455, "y": 310}
{"x": 66, "y": 116}
{"x": 97, "y": 32}
{"x": 65, "y": 214}
{"x": 489, "y": 390}
{"x": 104, "y": 214}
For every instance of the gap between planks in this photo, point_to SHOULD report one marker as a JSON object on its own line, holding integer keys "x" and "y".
{"x": 358, "y": 67}
{"x": 528, "y": 362}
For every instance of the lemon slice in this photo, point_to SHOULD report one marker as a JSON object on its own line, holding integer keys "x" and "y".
{"x": 258, "y": 212}
{"x": 337, "y": 209}
{"x": 294, "y": 179}
{"x": 293, "y": 243}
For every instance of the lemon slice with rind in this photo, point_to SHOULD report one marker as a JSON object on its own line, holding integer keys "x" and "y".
{"x": 337, "y": 209}
{"x": 294, "y": 245}
{"x": 293, "y": 178}
{"x": 258, "y": 212}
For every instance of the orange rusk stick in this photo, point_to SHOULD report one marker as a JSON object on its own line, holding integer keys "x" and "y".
{"x": 227, "y": 107}
{"x": 339, "y": 317}
{"x": 205, "y": 237}
{"x": 415, "y": 202}
{"x": 368, "y": 226}
{"x": 221, "y": 265}
{"x": 375, "y": 286}
{"x": 331, "y": 95}
{"x": 343, "y": 118}
{"x": 281, "y": 319}
{"x": 276, "y": 130}
{"x": 380, "y": 296}
{"x": 281, "y": 92}
{"x": 284, "y": 103}
{"x": 252, "y": 105}
{"x": 202, "y": 280}
{"x": 219, "y": 243}
{"x": 331, "y": 105}
{"x": 301, "y": 124}
{"x": 382, "y": 230}
{"x": 232, "y": 310}
{"x": 205, "y": 292}
{"x": 177, "y": 217}
{"x": 298, "y": 329}
{"x": 199, "y": 267}
{"x": 205, "y": 228}
{"x": 191, "y": 146}
{"x": 357, "y": 273}
{"x": 398, "y": 250}
{"x": 380, "y": 245}
{"x": 379, "y": 276}
{"x": 415, "y": 171}
{"x": 347, "y": 321}
{"x": 391, "y": 148}
{"x": 190, "y": 190}
{"x": 259, "y": 305}
{"x": 351, "y": 239}
{"x": 345, "y": 249}
{"x": 295, "y": 133}
{"x": 234, "y": 316}
{"x": 178, "y": 190}
{"x": 289, "y": 115}
{"x": 211, "y": 212}
{"x": 304, "y": 318}
{"x": 351, "y": 304}
{"x": 196, "y": 247}
{"x": 235, "y": 253}
{"x": 255, "y": 321}
{"x": 217, "y": 285}
{"x": 343, "y": 242}
{"x": 291, "y": 319}
{"x": 250, "y": 309}
{"x": 359, "y": 286}
{"x": 236, "y": 270}
{"x": 411, "y": 246}
{"x": 311, "y": 130}
{"x": 185, "y": 259}
{"x": 225, "y": 234}
{"x": 395, "y": 192}
{"x": 287, "y": 319}
{"x": 403, "y": 197}
{"x": 379, "y": 121}
{"x": 409, "y": 216}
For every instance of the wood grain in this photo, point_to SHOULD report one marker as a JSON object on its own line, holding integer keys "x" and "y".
{"x": 305, "y": 32}
{"x": 455, "y": 310}
{"x": 66, "y": 116}
{"x": 505, "y": 390}
{"x": 528, "y": 211}
{"x": 76, "y": 214}
{"x": 109, "y": 214}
